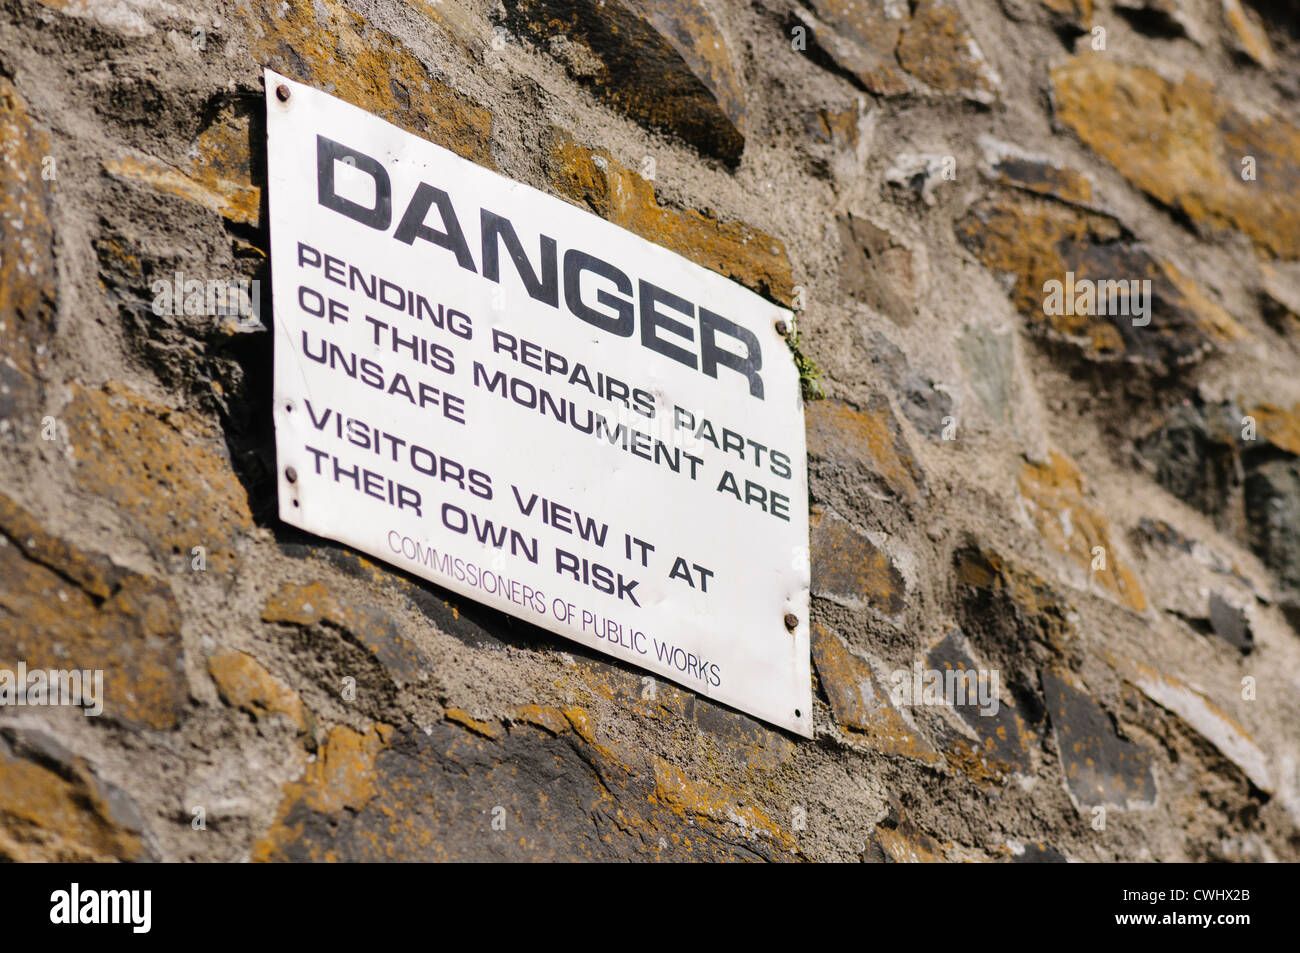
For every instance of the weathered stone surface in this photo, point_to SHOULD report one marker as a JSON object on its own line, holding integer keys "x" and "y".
{"x": 1272, "y": 494}
{"x": 1007, "y": 608}
{"x": 1177, "y": 545}
{"x": 665, "y": 64}
{"x": 1053, "y": 495}
{"x": 739, "y": 251}
{"x": 1009, "y": 165}
{"x": 1100, "y": 767}
{"x": 1004, "y": 738}
{"x": 878, "y": 268}
{"x": 738, "y": 736}
{"x": 869, "y": 438}
{"x": 464, "y": 621}
{"x": 1180, "y": 589}
{"x": 1279, "y": 299}
{"x": 921, "y": 173}
{"x": 1207, "y": 720}
{"x": 341, "y": 778}
{"x": 1242, "y": 467}
{"x": 1249, "y": 34}
{"x": 461, "y": 25}
{"x": 545, "y": 793}
{"x": 860, "y": 699}
{"x": 542, "y": 716}
{"x": 1163, "y": 18}
{"x": 938, "y": 48}
{"x": 1034, "y": 241}
{"x": 488, "y": 729}
{"x": 1183, "y": 145}
{"x": 1201, "y": 452}
{"x": 312, "y": 604}
{"x": 165, "y": 470}
{"x": 1075, "y": 13}
{"x": 141, "y": 258}
{"x": 1193, "y": 454}
{"x": 64, "y": 608}
{"x": 1037, "y": 853}
{"x": 849, "y": 569}
{"x": 55, "y": 809}
{"x": 859, "y": 38}
{"x": 244, "y": 683}
{"x": 27, "y": 287}
{"x": 989, "y": 360}
{"x": 325, "y": 44}
{"x": 219, "y": 174}
{"x": 729, "y": 735}
{"x": 1230, "y": 624}
{"x": 897, "y": 839}
{"x": 694, "y": 801}
{"x": 836, "y": 127}
{"x": 877, "y": 41}
{"x": 125, "y": 18}
{"x": 1279, "y": 426}
{"x": 923, "y": 402}
{"x": 1158, "y": 531}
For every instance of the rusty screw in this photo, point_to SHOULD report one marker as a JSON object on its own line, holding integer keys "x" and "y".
{"x": 782, "y": 328}
{"x": 291, "y": 474}
{"x": 282, "y": 93}
{"x": 791, "y": 621}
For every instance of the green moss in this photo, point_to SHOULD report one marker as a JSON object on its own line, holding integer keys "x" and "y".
{"x": 809, "y": 373}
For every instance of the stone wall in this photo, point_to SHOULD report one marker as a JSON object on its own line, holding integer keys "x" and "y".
{"x": 1105, "y": 512}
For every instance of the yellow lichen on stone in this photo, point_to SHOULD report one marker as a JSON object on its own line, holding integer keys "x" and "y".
{"x": 47, "y": 816}
{"x": 688, "y": 798}
{"x": 739, "y": 251}
{"x": 1184, "y": 146}
{"x": 1053, "y": 495}
{"x": 1250, "y": 34}
{"x": 547, "y": 717}
{"x": 870, "y": 436}
{"x": 463, "y": 718}
{"x": 165, "y": 470}
{"x": 1277, "y": 425}
{"x": 245, "y": 684}
{"x": 330, "y": 47}
{"x": 218, "y": 178}
{"x": 937, "y": 48}
{"x": 341, "y": 777}
{"x": 860, "y": 700}
{"x": 27, "y": 283}
{"x": 64, "y": 608}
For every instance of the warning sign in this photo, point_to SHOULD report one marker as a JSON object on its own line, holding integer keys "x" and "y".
{"x": 527, "y": 405}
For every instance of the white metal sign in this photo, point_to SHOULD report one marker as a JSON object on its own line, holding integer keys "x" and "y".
{"x": 527, "y": 405}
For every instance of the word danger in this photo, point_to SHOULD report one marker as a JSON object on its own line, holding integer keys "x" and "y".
{"x": 665, "y": 322}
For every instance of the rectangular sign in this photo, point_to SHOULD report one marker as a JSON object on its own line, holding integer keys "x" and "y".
{"x": 527, "y": 405}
